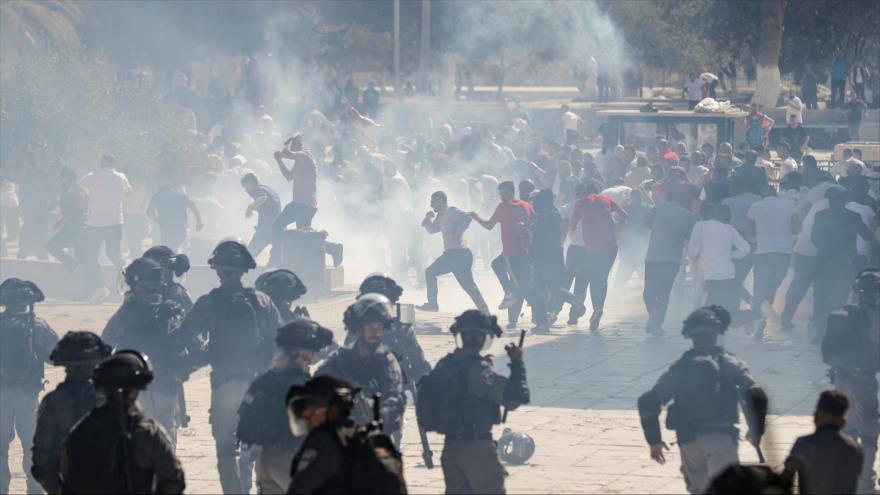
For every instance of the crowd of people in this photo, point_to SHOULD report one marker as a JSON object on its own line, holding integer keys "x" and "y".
{"x": 695, "y": 222}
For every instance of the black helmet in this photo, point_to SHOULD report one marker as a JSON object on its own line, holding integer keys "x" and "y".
{"x": 381, "y": 284}
{"x": 868, "y": 281}
{"x": 476, "y": 320}
{"x": 79, "y": 348}
{"x": 714, "y": 317}
{"x": 175, "y": 263}
{"x": 127, "y": 369}
{"x": 232, "y": 254}
{"x": 143, "y": 271}
{"x": 303, "y": 333}
{"x": 515, "y": 448}
{"x": 282, "y": 285}
{"x": 17, "y": 292}
{"x": 368, "y": 308}
{"x": 322, "y": 390}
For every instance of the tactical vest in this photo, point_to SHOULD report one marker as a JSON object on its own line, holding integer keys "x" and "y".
{"x": 235, "y": 339}
{"x": 19, "y": 365}
{"x": 704, "y": 397}
{"x": 445, "y": 405}
{"x": 850, "y": 342}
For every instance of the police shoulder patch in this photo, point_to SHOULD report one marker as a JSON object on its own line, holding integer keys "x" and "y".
{"x": 308, "y": 456}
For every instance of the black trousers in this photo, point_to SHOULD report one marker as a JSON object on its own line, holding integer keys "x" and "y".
{"x": 591, "y": 272}
{"x": 71, "y": 236}
{"x": 515, "y": 276}
{"x": 770, "y": 271}
{"x": 804, "y": 275}
{"x": 659, "y": 279}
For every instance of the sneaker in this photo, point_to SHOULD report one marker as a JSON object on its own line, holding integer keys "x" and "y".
{"x": 552, "y": 317}
{"x": 512, "y": 325}
{"x": 99, "y": 295}
{"x": 577, "y": 310}
{"x": 786, "y": 325}
{"x": 428, "y": 307}
{"x": 506, "y": 302}
{"x": 594, "y": 320}
{"x": 541, "y": 328}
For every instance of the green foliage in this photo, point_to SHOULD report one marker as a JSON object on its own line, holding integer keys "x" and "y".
{"x": 60, "y": 107}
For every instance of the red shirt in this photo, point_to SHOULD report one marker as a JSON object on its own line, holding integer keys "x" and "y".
{"x": 515, "y": 219}
{"x": 594, "y": 214}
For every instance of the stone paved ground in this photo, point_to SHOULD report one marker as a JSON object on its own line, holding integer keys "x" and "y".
{"x": 584, "y": 390}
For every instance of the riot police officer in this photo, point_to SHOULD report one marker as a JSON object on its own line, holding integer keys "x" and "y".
{"x": 706, "y": 384}
{"x": 262, "y": 415}
{"x": 238, "y": 324}
{"x": 852, "y": 348}
{"x": 462, "y": 398}
{"x": 338, "y": 456}
{"x": 25, "y": 344}
{"x": 148, "y": 322}
{"x": 283, "y": 287}
{"x": 398, "y": 336}
{"x": 115, "y": 448}
{"x": 173, "y": 265}
{"x": 368, "y": 364}
{"x": 78, "y": 352}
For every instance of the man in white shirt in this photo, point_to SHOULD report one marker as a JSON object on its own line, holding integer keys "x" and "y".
{"x": 841, "y": 167}
{"x": 786, "y": 162}
{"x": 795, "y": 107}
{"x": 715, "y": 245}
{"x": 694, "y": 89}
{"x": 857, "y": 197}
{"x": 107, "y": 189}
{"x": 571, "y": 124}
{"x": 772, "y": 221}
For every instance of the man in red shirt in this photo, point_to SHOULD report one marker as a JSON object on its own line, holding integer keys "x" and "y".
{"x": 595, "y": 213}
{"x": 512, "y": 266}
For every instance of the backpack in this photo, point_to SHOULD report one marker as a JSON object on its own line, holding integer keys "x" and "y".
{"x": 374, "y": 463}
{"x": 235, "y": 334}
{"x": 17, "y": 355}
{"x": 699, "y": 395}
{"x": 96, "y": 457}
{"x": 439, "y": 397}
{"x": 846, "y": 344}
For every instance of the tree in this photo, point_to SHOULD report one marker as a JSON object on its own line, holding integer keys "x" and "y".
{"x": 769, "y": 46}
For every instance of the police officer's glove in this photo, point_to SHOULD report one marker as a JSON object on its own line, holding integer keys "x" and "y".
{"x": 515, "y": 353}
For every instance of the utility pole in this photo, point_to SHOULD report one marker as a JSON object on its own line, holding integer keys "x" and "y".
{"x": 425, "y": 46}
{"x": 397, "y": 89}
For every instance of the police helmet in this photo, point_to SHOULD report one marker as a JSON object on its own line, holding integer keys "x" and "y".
{"x": 232, "y": 254}
{"x": 714, "y": 317}
{"x": 79, "y": 348}
{"x": 868, "y": 281}
{"x": 282, "y": 285}
{"x": 321, "y": 390}
{"x": 17, "y": 292}
{"x": 368, "y": 308}
{"x": 381, "y": 283}
{"x": 126, "y": 369}
{"x": 305, "y": 334}
{"x": 175, "y": 263}
{"x": 474, "y": 320}
{"x": 515, "y": 448}
{"x": 143, "y": 271}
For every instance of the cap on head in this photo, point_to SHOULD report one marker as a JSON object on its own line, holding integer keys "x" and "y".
{"x": 126, "y": 369}
{"x": 17, "y": 292}
{"x": 381, "y": 284}
{"x": 232, "y": 254}
{"x": 303, "y": 333}
{"x": 79, "y": 347}
{"x": 474, "y": 320}
{"x": 368, "y": 308}
{"x": 712, "y": 317}
{"x": 281, "y": 285}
